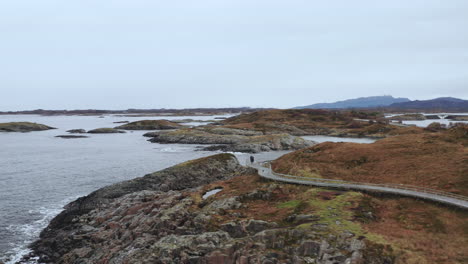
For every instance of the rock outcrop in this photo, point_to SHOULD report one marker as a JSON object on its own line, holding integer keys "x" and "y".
{"x": 161, "y": 218}
{"x": 150, "y": 125}
{"x": 22, "y": 127}
{"x": 105, "y": 130}
{"x": 60, "y": 235}
{"x": 229, "y": 140}
{"x": 76, "y": 131}
{"x": 301, "y": 122}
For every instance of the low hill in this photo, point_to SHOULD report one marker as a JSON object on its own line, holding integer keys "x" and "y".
{"x": 362, "y": 102}
{"x": 441, "y": 104}
{"x": 318, "y": 122}
{"x": 436, "y": 160}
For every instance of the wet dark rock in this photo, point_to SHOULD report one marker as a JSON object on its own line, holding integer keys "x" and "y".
{"x": 71, "y": 136}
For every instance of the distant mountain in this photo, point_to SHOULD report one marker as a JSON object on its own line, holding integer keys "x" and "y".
{"x": 362, "y": 102}
{"x": 441, "y": 104}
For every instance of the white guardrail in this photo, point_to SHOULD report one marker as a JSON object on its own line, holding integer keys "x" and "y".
{"x": 265, "y": 170}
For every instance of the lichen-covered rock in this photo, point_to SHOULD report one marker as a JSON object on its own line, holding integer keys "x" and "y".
{"x": 22, "y": 127}
{"x": 132, "y": 211}
{"x": 137, "y": 222}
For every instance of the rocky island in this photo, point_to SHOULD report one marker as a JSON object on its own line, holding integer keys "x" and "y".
{"x": 23, "y": 127}
{"x": 105, "y": 130}
{"x": 76, "y": 131}
{"x": 235, "y": 140}
{"x": 150, "y": 125}
{"x": 279, "y": 130}
{"x": 71, "y": 136}
{"x": 300, "y": 122}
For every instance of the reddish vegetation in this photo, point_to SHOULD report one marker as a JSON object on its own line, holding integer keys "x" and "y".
{"x": 300, "y": 118}
{"x": 420, "y": 232}
{"x": 436, "y": 160}
{"x": 313, "y": 121}
{"x": 425, "y": 232}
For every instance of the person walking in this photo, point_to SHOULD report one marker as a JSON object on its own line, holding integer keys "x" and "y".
{"x": 252, "y": 159}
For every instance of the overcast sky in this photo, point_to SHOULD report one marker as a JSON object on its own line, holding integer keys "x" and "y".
{"x": 115, "y": 54}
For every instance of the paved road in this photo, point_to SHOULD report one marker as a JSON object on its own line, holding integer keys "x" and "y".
{"x": 406, "y": 190}
{"x": 390, "y": 123}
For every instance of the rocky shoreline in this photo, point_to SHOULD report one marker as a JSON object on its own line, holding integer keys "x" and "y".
{"x": 234, "y": 140}
{"x": 23, "y": 127}
{"x": 161, "y": 218}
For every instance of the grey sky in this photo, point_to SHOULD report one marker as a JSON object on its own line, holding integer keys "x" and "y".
{"x": 57, "y": 54}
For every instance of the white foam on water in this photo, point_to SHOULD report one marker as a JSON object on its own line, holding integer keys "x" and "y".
{"x": 169, "y": 150}
{"x": 30, "y": 232}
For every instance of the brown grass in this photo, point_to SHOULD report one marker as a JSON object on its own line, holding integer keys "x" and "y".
{"x": 313, "y": 121}
{"x": 424, "y": 233}
{"x": 434, "y": 160}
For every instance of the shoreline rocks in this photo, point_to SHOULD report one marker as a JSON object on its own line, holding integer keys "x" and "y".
{"x": 161, "y": 218}
{"x": 225, "y": 139}
{"x": 23, "y": 127}
{"x": 78, "y": 227}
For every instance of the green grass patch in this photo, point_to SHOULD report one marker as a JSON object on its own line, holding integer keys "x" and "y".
{"x": 289, "y": 204}
{"x": 308, "y": 173}
{"x": 338, "y": 216}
